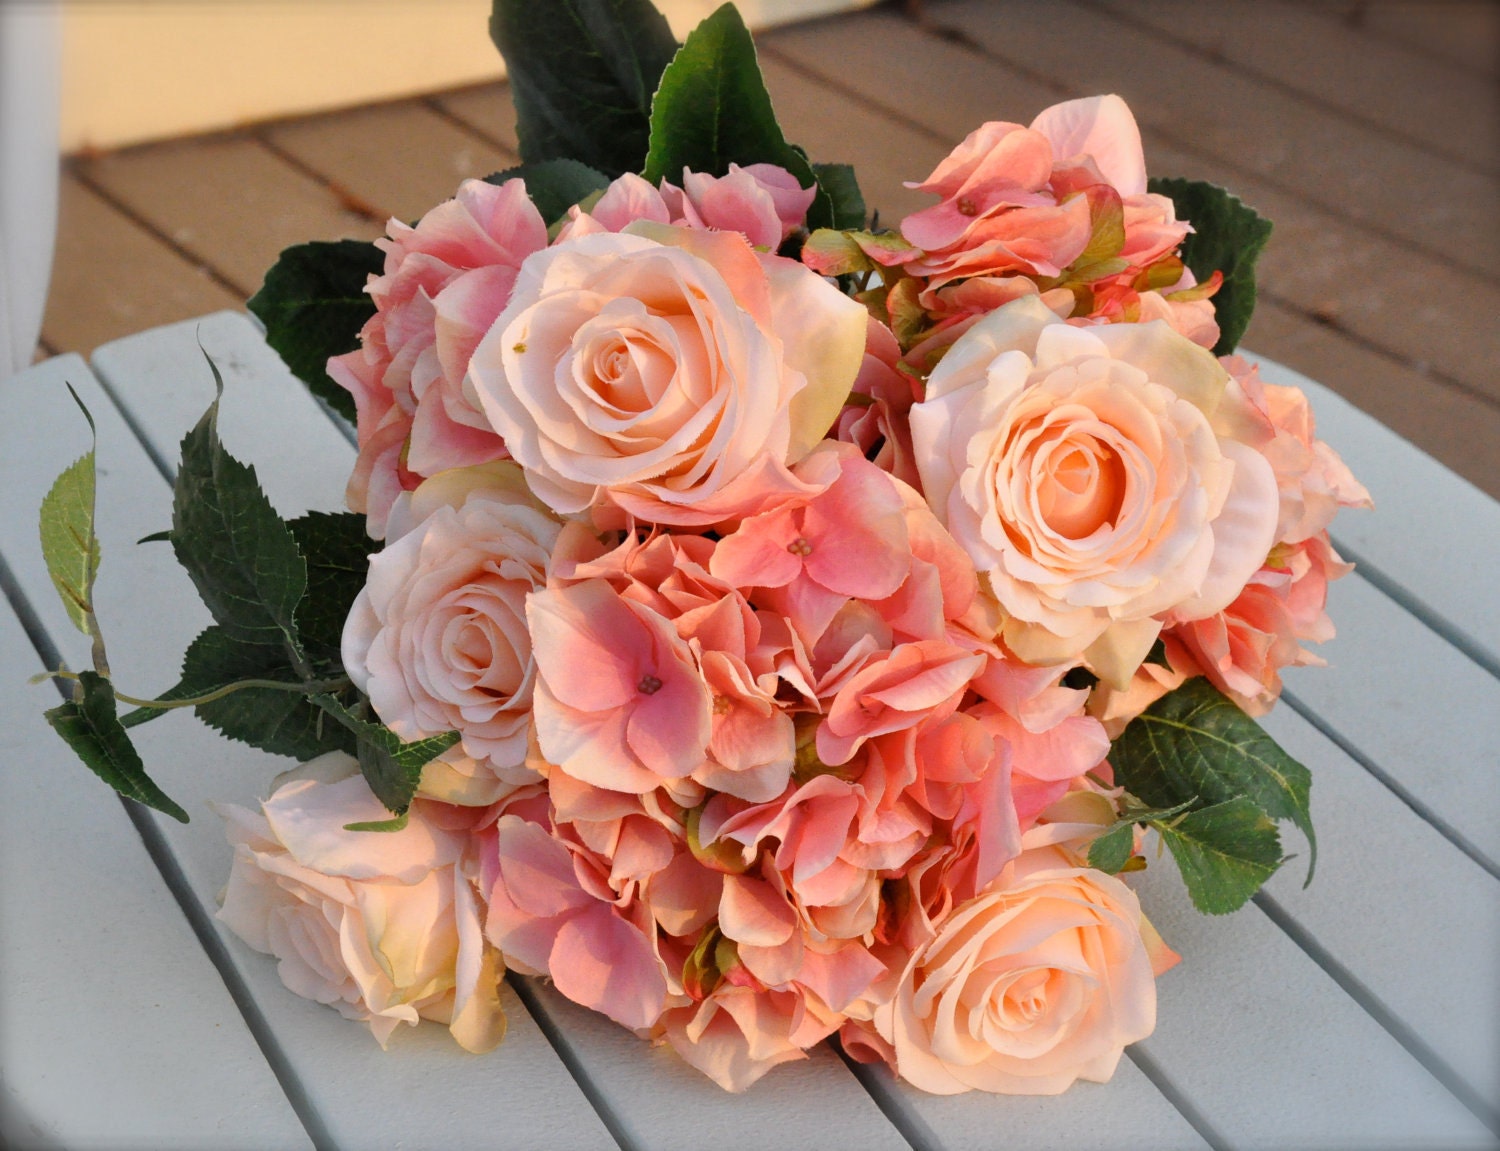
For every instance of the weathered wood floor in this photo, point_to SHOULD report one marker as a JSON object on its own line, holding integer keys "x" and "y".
{"x": 1368, "y": 131}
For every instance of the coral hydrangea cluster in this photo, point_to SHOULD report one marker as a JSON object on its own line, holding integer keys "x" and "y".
{"x": 785, "y": 628}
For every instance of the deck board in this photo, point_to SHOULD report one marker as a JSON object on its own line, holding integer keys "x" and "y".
{"x": 401, "y": 158}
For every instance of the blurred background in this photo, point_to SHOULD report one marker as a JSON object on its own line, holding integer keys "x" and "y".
{"x": 202, "y": 137}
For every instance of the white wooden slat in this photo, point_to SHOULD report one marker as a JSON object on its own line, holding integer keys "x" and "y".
{"x": 1432, "y": 538}
{"x": 267, "y": 417}
{"x": 426, "y": 1091}
{"x": 1272, "y": 1053}
{"x": 1417, "y": 710}
{"x": 662, "y": 1103}
{"x": 1407, "y": 915}
{"x": 1128, "y": 1111}
{"x": 115, "y": 1028}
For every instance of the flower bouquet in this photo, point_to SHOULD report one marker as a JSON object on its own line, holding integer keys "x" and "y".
{"x": 763, "y": 623}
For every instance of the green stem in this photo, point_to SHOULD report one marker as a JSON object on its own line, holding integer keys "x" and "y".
{"x": 308, "y": 687}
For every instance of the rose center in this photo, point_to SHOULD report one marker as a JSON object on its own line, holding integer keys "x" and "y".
{"x": 1079, "y": 487}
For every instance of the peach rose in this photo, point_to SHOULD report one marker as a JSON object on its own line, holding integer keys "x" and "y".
{"x": 383, "y": 926}
{"x": 438, "y": 637}
{"x": 1041, "y": 980}
{"x": 1085, "y": 472}
{"x": 672, "y": 372}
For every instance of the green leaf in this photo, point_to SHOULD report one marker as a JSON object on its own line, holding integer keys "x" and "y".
{"x": 712, "y": 109}
{"x": 90, "y": 726}
{"x": 240, "y": 554}
{"x": 1225, "y": 852}
{"x": 393, "y": 769}
{"x": 280, "y": 722}
{"x": 313, "y": 305}
{"x": 555, "y": 185}
{"x": 1228, "y": 237}
{"x": 582, "y": 73}
{"x": 337, "y": 553}
{"x": 1109, "y": 852}
{"x": 68, "y": 542}
{"x": 1195, "y": 742}
{"x": 846, "y": 201}
{"x": 397, "y": 823}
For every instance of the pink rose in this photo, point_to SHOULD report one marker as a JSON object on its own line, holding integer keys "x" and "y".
{"x": 444, "y": 282}
{"x": 438, "y": 637}
{"x": 674, "y": 373}
{"x": 1085, "y": 473}
{"x": 1041, "y": 980}
{"x": 383, "y": 926}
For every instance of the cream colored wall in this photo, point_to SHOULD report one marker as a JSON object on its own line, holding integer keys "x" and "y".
{"x": 138, "y": 70}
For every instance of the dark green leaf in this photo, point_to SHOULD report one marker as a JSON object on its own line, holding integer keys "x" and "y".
{"x": 582, "y": 73}
{"x": 845, "y": 200}
{"x": 1225, "y": 852}
{"x": 162, "y": 537}
{"x": 69, "y": 544}
{"x": 1109, "y": 852}
{"x": 337, "y": 553}
{"x": 555, "y": 185}
{"x": 240, "y": 554}
{"x": 92, "y": 729}
{"x": 712, "y": 110}
{"x": 1228, "y": 237}
{"x": 393, "y": 769}
{"x": 313, "y": 305}
{"x": 280, "y": 722}
{"x": 1195, "y": 742}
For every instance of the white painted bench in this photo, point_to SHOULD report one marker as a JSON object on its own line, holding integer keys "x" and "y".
{"x": 1361, "y": 1012}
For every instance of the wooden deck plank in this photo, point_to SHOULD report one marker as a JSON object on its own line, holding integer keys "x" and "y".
{"x": 401, "y": 158}
{"x": 836, "y": 129}
{"x": 1269, "y": 1049}
{"x": 1322, "y": 157}
{"x": 487, "y": 109}
{"x": 1460, "y": 430}
{"x": 1381, "y": 932}
{"x": 1463, "y": 32}
{"x": 111, "y": 277}
{"x": 117, "y": 1029}
{"x": 1449, "y": 111}
{"x": 228, "y": 200}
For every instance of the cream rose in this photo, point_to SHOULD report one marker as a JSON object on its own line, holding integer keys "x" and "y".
{"x": 1041, "y": 980}
{"x": 382, "y": 926}
{"x": 438, "y": 637}
{"x": 673, "y": 372}
{"x": 1094, "y": 476}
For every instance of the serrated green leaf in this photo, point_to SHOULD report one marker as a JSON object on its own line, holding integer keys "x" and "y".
{"x": 1111, "y": 850}
{"x": 90, "y": 726}
{"x": 313, "y": 304}
{"x": 336, "y": 550}
{"x": 1195, "y": 742}
{"x": 1225, "y": 853}
{"x": 277, "y": 721}
{"x": 69, "y": 544}
{"x": 712, "y": 109}
{"x": 240, "y": 554}
{"x": 554, "y": 185}
{"x": 581, "y": 74}
{"x": 392, "y": 768}
{"x": 1228, "y": 237}
{"x": 846, "y": 202}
